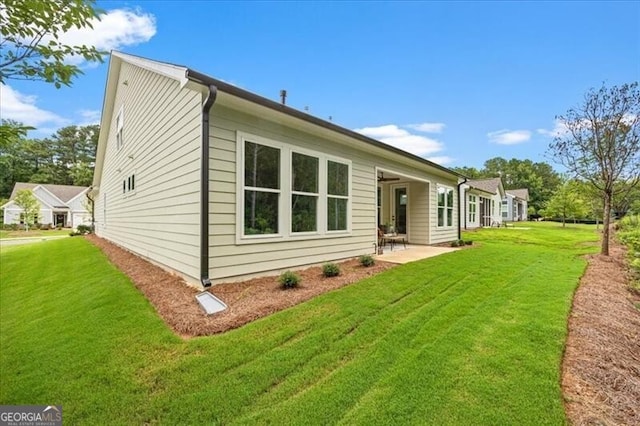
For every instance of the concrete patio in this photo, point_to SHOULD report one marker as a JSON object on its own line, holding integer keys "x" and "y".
{"x": 412, "y": 253}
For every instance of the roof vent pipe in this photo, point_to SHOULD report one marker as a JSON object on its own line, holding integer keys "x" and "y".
{"x": 283, "y": 97}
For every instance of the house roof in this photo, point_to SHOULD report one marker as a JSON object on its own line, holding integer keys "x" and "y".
{"x": 183, "y": 75}
{"x": 492, "y": 185}
{"x": 63, "y": 192}
{"x": 523, "y": 193}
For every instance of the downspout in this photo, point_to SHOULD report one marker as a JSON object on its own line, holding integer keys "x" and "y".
{"x": 93, "y": 209}
{"x": 204, "y": 188}
{"x": 463, "y": 210}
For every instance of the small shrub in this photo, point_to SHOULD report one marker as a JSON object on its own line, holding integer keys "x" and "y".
{"x": 366, "y": 260}
{"x": 330, "y": 270}
{"x": 468, "y": 243}
{"x": 457, "y": 243}
{"x": 83, "y": 229}
{"x": 289, "y": 280}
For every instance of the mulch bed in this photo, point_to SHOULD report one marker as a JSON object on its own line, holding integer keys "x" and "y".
{"x": 601, "y": 367}
{"x": 175, "y": 302}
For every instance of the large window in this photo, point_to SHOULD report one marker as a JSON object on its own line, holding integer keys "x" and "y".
{"x": 337, "y": 195}
{"x": 445, "y": 206}
{"x": 261, "y": 188}
{"x": 473, "y": 208}
{"x": 304, "y": 193}
{"x": 286, "y": 192}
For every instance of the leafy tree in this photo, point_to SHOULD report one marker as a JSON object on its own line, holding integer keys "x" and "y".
{"x": 73, "y": 151}
{"x": 539, "y": 178}
{"x": 602, "y": 143}
{"x": 13, "y": 166}
{"x": 29, "y": 205}
{"x": 625, "y": 195}
{"x": 567, "y": 203}
{"x": 67, "y": 158}
{"x": 31, "y": 47}
{"x": 470, "y": 172}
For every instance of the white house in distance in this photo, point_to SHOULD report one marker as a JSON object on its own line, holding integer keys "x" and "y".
{"x": 482, "y": 199}
{"x": 218, "y": 184}
{"x": 60, "y": 205}
{"x": 515, "y": 204}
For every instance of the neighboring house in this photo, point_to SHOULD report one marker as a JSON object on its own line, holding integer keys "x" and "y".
{"x": 481, "y": 203}
{"x": 218, "y": 184}
{"x": 60, "y": 205}
{"x": 514, "y": 205}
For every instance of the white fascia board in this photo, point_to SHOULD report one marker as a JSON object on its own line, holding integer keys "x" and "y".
{"x": 175, "y": 72}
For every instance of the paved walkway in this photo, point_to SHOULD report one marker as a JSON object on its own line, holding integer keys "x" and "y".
{"x": 5, "y": 242}
{"x": 413, "y": 253}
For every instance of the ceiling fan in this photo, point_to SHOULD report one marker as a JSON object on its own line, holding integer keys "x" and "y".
{"x": 381, "y": 178}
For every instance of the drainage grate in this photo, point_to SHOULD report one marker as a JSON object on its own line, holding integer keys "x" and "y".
{"x": 210, "y": 303}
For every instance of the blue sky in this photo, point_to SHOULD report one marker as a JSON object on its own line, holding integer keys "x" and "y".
{"x": 456, "y": 82}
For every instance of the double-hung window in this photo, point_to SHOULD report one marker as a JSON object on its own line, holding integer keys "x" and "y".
{"x": 445, "y": 206}
{"x": 261, "y": 189}
{"x": 304, "y": 192}
{"x": 337, "y": 195}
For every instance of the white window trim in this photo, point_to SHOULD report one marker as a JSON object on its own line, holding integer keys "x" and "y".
{"x": 284, "y": 205}
{"x": 318, "y": 195}
{"x": 445, "y": 226}
{"x": 473, "y": 203}
{"x": 120, "y": 128}
{"x": 126, "y": 183}
{"x": 349, "y": 197}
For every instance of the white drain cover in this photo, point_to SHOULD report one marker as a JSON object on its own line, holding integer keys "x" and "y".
{"x": 210, "y": 303}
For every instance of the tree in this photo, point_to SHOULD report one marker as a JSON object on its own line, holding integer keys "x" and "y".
{"x": 13, "y": 166}
{"x": 67, "y": 158}
{"x": 625, "y": 195}
{"x": 567, "y": 202}
{"x": 29, "y": 205}
{"x": 602, "y": 143}
{"x": 31, "y": 46}
{"x": 470, "y": 172}
{"x": 539, "y": 178}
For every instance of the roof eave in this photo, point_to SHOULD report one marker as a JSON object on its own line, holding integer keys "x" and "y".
{"x": 268, "y": 103}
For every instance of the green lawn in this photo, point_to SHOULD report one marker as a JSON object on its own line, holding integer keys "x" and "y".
{"x": 33, "y": 233}
{"x": 471, "y": 337}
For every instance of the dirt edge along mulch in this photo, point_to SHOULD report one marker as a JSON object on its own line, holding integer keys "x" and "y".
{"x": 175, "y": 302}
{"x": 601, "y": 365}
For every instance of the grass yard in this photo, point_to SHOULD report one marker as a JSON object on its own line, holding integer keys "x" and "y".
{"x": 471, "y": 337}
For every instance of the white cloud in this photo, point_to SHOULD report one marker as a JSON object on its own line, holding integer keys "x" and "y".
{"x": 559, "y": 129}
{"x": 509, "y": 137}
{"x": 400, "y": 138}
{"x": 441, "y": 159}
{"x": 20, "y": 107}
{"x": 116, "y": 29}
{"x": 89, "y": 116}
{"x": 428, "y": 127}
